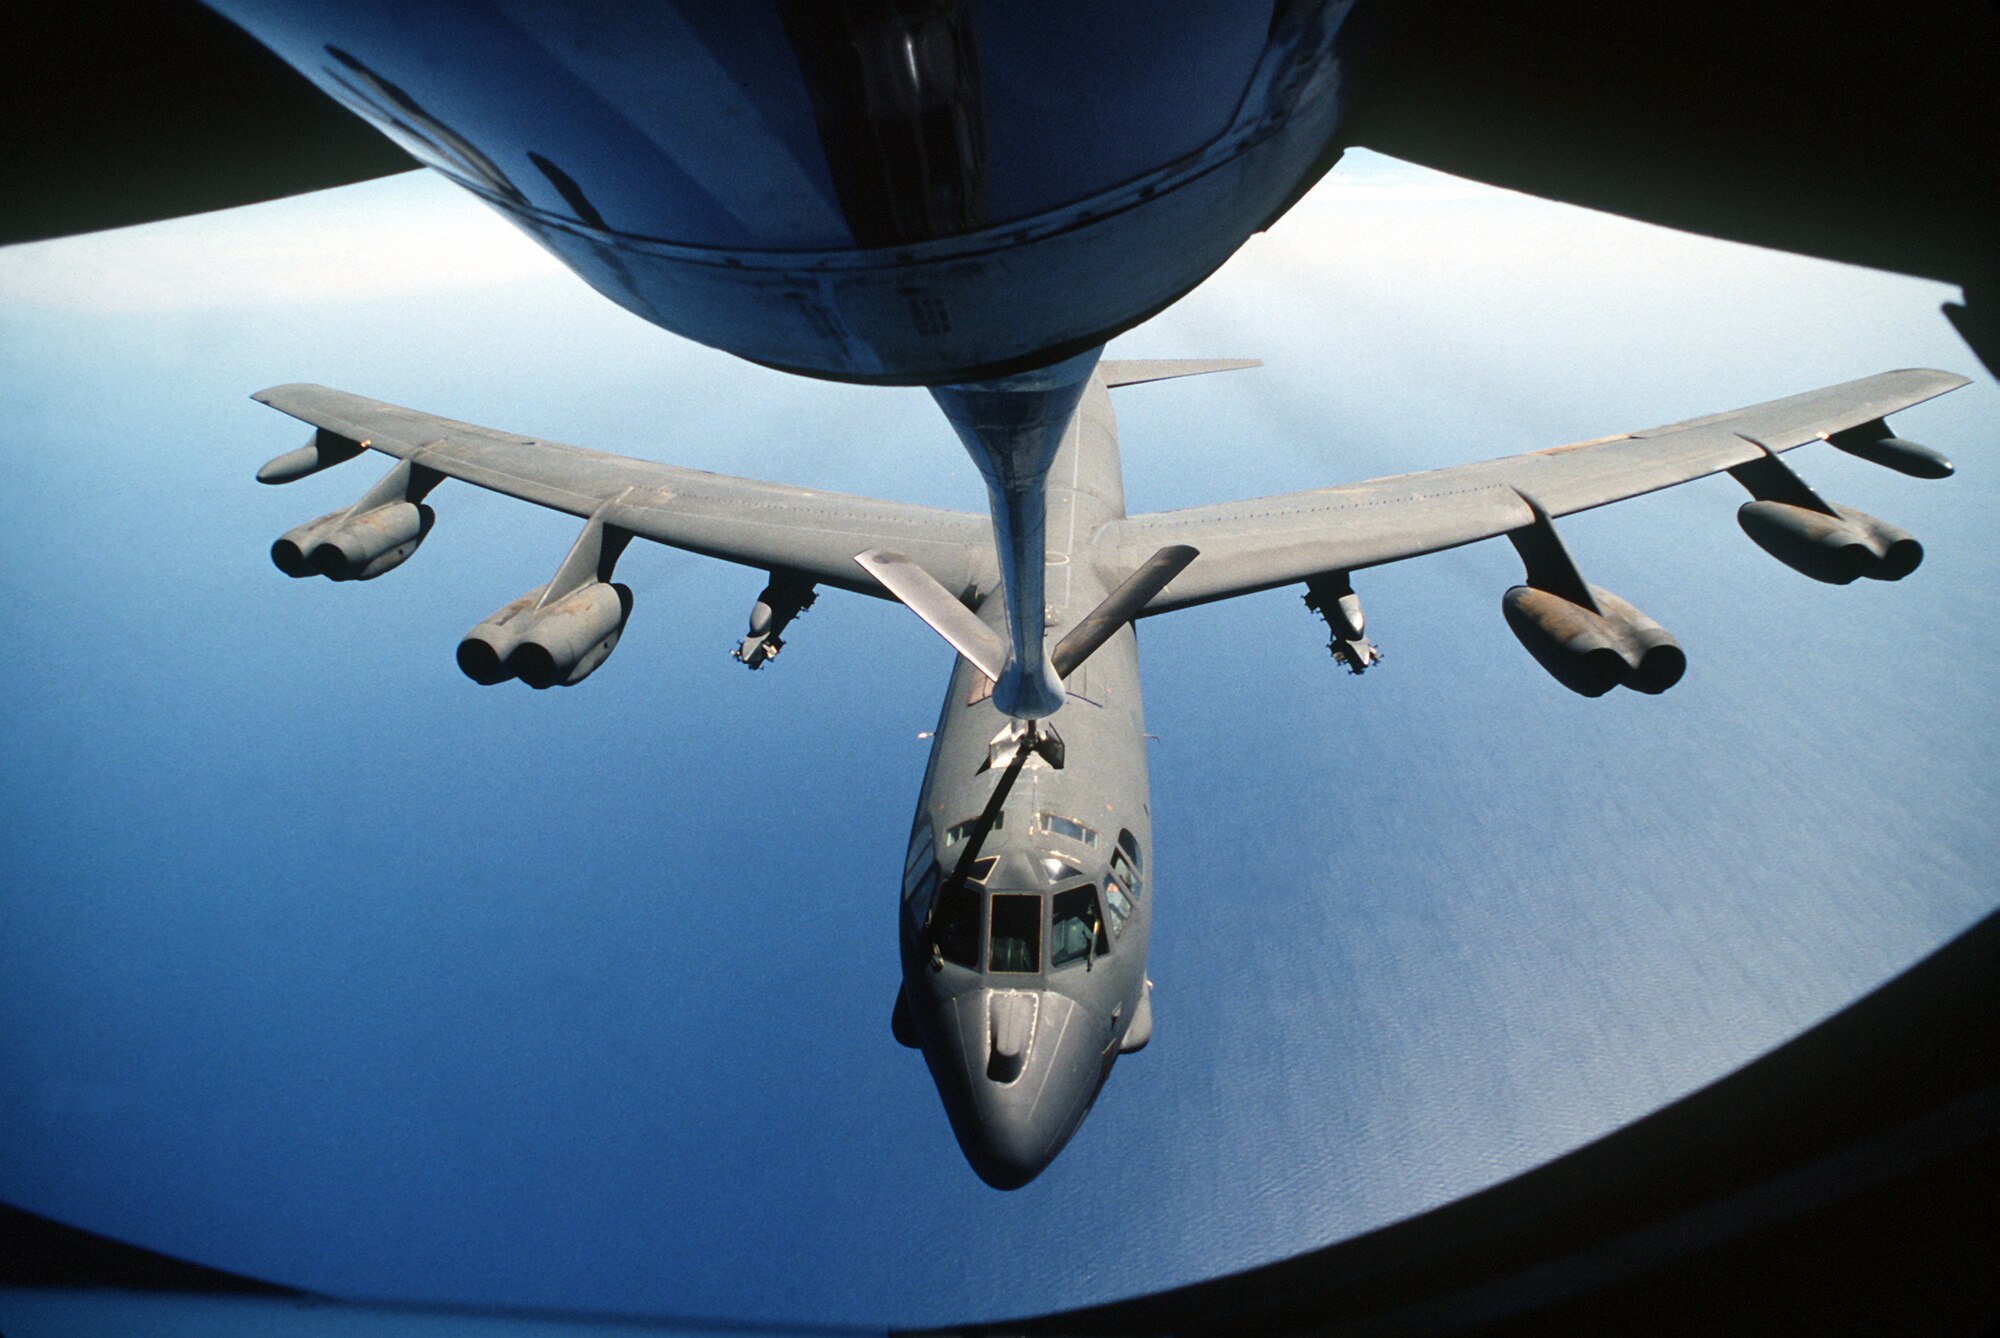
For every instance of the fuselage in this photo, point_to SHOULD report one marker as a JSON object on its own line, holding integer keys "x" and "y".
{"x": 1023, "y": 982}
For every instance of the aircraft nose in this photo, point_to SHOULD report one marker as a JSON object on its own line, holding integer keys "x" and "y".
{"x": 1030, "y": 1068}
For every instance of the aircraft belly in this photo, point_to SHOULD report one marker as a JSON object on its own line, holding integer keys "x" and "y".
{"x": 719, "y": 173}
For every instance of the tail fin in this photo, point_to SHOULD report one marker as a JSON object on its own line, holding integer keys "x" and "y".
{"x": 1132, "y": 373}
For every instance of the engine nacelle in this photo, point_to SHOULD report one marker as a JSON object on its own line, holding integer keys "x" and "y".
{"x": 1590, "y": 652}
{"x": 357, "y": 548}
{"x": 482, "y": 655}
{"x": 1838, "y": 548}
{"x": 555, "y": 645}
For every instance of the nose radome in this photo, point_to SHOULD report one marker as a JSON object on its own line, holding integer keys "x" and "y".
{"x": 1008, "y": 1156}
{"x": 1020, "y": 1122}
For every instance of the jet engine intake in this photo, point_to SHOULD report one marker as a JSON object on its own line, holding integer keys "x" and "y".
{"x": 547, "y": 645}
{"x": 354, "y": 547}
{"x": 1836, "y": 547}
{"x": 1591, "y": 651}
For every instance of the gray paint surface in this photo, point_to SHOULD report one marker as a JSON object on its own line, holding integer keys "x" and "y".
{"x": 333, "y": 966}
{"x": 1020, "y": 1051}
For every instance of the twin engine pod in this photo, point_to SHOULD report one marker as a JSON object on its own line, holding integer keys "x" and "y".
{"x": 547, "y": 645}
{"x": 1837, "y": 547}
{"x": 354, "y": 547}
{"x": 1591, "y": 651}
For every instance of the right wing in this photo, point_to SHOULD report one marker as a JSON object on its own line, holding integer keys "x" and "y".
{"x": 1273, "y": 541}
{"x": 768, "y": 525}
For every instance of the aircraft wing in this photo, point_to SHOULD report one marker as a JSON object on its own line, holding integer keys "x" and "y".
{"x": 1272, "y": 541}
{"x": 767, "y": 525}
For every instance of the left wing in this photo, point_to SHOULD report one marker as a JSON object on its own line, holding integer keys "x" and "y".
{"x": 802, "y": 531}
{"x": 1273, "y": 541}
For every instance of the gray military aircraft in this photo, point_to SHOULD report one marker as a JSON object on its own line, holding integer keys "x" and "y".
{"x": 976, "y": 197}
{"x": 1027, "y": 890}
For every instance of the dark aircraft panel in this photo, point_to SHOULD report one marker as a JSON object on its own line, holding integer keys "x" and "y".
{"x": 1834, "y": 131}
{"x": 127, "y": 111}
{"x": 1853, "y": 132}
{"x": 914, "y": 192}
{"x": 786, "y": 125}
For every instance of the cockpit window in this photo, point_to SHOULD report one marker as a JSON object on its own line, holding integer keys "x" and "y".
{"x": 958, "y": 831}
{"x": 920, "y": 852}
{"x": 1126, "y": 864}
{"x": 1075, "y": 924}
{"x": 1122, "y": 870}
{"x": 955, "y": 924}
{"x": 921, "y": 894}
{"x": 1055, "y": 824}
{"x": 1017, "y": 932}
{"x": 1117, "y": 904}
{"x": 1130, "y": 845}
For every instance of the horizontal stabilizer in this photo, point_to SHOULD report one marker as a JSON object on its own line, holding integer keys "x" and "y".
{"x": 1121, "y": 606}
{"x": 1135, "y": 372}
{"x": 946, "y": 614}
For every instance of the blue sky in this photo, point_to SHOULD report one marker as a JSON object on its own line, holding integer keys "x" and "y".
{"x": 324, "y": 964}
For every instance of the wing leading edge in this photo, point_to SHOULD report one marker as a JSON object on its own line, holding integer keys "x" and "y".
{"x": 939, "y": 562}
{"x": 1272, "y": 541}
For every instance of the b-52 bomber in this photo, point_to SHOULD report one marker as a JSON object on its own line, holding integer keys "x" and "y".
{"x": 1029, "y": 883}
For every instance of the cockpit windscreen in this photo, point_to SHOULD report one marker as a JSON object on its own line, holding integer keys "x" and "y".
{"x": 1017, "y": 932}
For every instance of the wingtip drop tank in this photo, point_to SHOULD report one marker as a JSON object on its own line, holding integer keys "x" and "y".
{"x": 324, "y": 451}
{"x": 1875, "y": 443}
